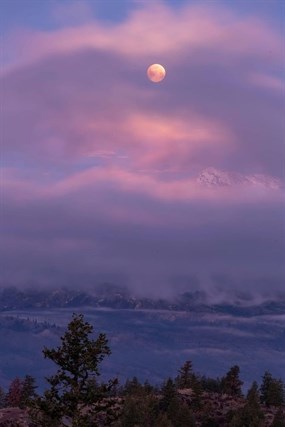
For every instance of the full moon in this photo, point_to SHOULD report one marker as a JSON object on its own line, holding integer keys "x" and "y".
{"x": 156, "y": 73}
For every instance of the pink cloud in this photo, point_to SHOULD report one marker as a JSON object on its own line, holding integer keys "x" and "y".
{"x": 149, "y": 139}
{"x": 183, "y": 190}
{"x": 171, "y": 139}
{"x": 61, "y": 120}
{"x": 89, "y": 94}
{"x": 267, "y": 82}
{"x": 99, "y": 182}
{"x": 154, "y": 30}
{"x": 105, "y": 164}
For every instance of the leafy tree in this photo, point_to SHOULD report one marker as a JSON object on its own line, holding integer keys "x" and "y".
{"x": 276, "y": 392}
{"x": 185, "y": 376}
{"x": 180, "y": 414}
{"x": 132, "y": 414}
{"x": 75, "y": 398}
{"x": 247, "y": 416}
{"x": 188, "y": 379}
{"x": 265, "y": 385}
{"x": 163, "y": 420}
{"x": 11, "y": 423}
{"x": 211, "y": 384}
{"x": 279, "y": 419}
{"x": 148, "y": 388}
{"x": 132, "y": 387}
{"x": 139, "y": 411}
{"x": 14, "y": 395}
{"x": 2, "y": 398}
{"x": 272, "y": 390}
{"x": 197, "y": 393}
{"x": 169, "y": 394}
{"x": 250, "y": 414}
{"x": 209, "y": 421}
{"x": 253, "y": 396}
{"x": 28, "y": 390}
{"x": 231, "y": 383}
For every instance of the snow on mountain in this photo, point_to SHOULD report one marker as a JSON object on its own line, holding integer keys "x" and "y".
{"x": 212, "y": 177}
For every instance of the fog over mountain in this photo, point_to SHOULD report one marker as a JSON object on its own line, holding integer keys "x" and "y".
{"x": 229, "y": 238}
{"x": 108, "y": 177}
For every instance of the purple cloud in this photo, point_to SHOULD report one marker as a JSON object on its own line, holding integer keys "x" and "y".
{"x": 101, "y": 167}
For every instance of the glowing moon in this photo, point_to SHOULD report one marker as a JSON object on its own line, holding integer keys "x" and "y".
{"x": 156, "y": 73}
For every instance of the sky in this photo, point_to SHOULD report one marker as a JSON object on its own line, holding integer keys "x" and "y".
{"x": 162, "y": 187}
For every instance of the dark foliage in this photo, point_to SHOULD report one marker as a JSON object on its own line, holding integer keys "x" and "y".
{"x": 279, "y": 419}
{"x": 272, "y": 390}
{"x": 76, "y": 397}
{"x": 231, "y": 383}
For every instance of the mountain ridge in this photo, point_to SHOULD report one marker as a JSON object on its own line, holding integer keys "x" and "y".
{"x": 112, "y": 296}
{"x": 212, "y": 177}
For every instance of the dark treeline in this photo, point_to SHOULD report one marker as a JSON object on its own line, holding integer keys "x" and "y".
{"x": 76, "y": 397}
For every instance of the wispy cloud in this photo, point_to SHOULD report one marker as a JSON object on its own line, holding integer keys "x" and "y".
{"x": 101, "y": 165}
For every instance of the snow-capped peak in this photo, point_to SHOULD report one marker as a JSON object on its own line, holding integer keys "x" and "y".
{"x": 212, "y": 177}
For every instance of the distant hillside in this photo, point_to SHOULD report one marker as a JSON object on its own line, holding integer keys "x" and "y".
{"x": 112, "y": 296}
